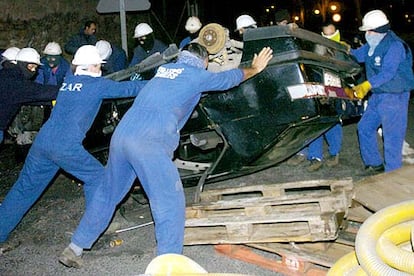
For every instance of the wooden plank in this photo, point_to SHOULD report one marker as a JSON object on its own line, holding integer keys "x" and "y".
{"x": 318, "y": 203}
{"x": 315, "y": 229}
{"x": 277, "y": 190}
{"x": 358, "y": 214}
{"x": 382, "y": 190}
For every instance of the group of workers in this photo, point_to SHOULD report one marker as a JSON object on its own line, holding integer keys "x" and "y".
{"x": 389, "y": 81}
{"x": 143, "y": 143}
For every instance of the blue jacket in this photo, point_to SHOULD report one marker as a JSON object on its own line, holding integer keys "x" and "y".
{"x": 45, "y": 74}
{"x": 78, "y": 40}
{"x": 140, "y": 54}
{"x": 186, "y": 40}
{"x": 78, "y": 102}
{"x": 117, "y": 61}
{"x": 389, "y": 69}
{"x": 16, "y": 90}
{"x": 176, "y": 89}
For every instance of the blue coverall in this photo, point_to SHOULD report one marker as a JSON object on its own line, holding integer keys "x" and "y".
{"x": 334, "y": 139}
{"x": 59, "y": 145}
{"x": 186, "y": 40}
{"x": 53, "y": 76}
{"x": 79, "y": 40}
{"x": 140, "y": 53}
{"x": 389, "y": 71}
{"x": 143, "y": 145}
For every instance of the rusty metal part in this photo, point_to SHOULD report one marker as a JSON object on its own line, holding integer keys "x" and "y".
{"x": 116, "y": 242}
{"x": 213, "y": 37}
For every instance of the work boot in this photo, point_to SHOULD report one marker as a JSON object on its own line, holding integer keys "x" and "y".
{"x": 375, "y": 169}
{"x": 69, "y": 258}
{"x": 315, "y": 164}
{"x": 332, "y": 160}
{"x": 296, "y": 160}
{"x": 372, "y": 170}
{"x": 8, "y": 246}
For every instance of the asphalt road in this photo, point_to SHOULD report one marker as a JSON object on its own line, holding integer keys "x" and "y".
{"x": 45, "y": 230}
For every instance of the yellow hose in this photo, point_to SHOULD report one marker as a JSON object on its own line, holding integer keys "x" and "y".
{"x": 376, "y": 251}
{"x": 412, "y": 237}
{"x": 388, "y": 250}
{"x": 347, "y": 265}
{"x": 370, "y": 232}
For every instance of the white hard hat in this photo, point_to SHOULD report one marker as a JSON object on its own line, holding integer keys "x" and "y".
{"x": 53, "y": 49}
{"x": 87, "y": 54}
{"x": 244, "y": 21}
{"x": 373, "y": 20}
{"x": 10, "y": 53}
{"x": 142, "y": 29}
{"x": 28, "y": 55}
{"x": 104, "y": 48}
{"x": 193, "y": 24}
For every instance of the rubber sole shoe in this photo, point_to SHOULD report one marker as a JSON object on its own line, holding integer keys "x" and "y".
{"x": 332, "y": 161}
{"x": 69, "y": 259}
{"x": 372, "y": 170}
{"x": 314, "y": 165}
{"x": 296, "y": 160}
{"x": 375, "y": 169}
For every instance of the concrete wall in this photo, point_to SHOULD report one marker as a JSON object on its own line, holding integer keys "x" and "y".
{"x": 34, "y": 23}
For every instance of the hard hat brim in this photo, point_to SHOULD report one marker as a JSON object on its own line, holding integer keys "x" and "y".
{"x": 364, "y": 28}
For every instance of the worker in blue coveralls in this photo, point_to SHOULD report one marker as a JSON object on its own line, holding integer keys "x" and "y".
{"x": 192, "y": 26}
{"x": 85, "y": 36}
{"x": 54, "y": 66}
{"x": 314, "y": 151}
{"x": 147, "y": 45}
{"x": 53, "y": 70}
{"x": 59, "y": 142}
{"x": 143, "y": 145}
{"x": 388, "y": 63}
{"x": 334, "y": 135}
{"x": 114, "y": 57}
{"x": 17, "y": 87}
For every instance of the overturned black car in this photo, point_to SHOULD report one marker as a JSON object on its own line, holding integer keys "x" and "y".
{"x": 263, "y": 121}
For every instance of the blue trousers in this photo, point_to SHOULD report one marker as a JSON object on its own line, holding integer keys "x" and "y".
{"x": 41, "y": 165}
{"x": 140, "y": 149}
{"x": 334, "y": 139}
{"x": 389, "y": 110}
{"x": 1, "y": 136}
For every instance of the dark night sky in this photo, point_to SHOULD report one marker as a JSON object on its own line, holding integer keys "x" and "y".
{"x": 225, "y": 12}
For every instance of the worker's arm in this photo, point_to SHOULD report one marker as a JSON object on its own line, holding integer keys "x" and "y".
{"x": 259, "y": 63}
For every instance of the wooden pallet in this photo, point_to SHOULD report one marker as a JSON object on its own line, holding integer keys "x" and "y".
{"x": 296, "y": 259}
{"x": 297, "y": 211}
{"x": 370, "y": 195}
